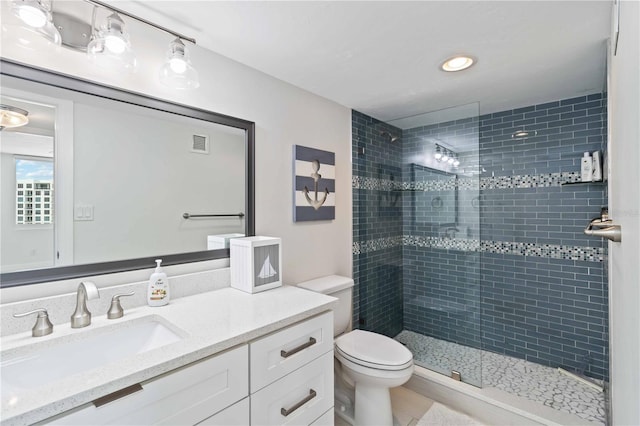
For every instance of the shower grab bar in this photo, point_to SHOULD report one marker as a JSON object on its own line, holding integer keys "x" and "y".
{"x": 191, "y": 216}
{"x": 606, "y": 228}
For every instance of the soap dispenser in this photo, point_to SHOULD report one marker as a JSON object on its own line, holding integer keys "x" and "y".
{"x": 158, "y": 292}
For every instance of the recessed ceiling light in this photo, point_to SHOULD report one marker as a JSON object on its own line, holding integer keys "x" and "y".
{"x": 457, "y": 63}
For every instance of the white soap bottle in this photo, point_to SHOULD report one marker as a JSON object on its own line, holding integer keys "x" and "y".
{"x": 586, "y": 168}
{"x": 597, "y": 167}
{"x": 158, "y": 291}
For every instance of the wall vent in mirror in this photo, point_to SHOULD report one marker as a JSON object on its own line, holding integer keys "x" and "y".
{"x": 200, "y": 144}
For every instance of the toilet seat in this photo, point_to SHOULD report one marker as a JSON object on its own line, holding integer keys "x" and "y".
{"x": 373, "y": 351}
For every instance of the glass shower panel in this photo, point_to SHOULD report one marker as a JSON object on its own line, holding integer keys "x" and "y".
{"x": 441, "y": 242}
{"x": 416, "y": 236}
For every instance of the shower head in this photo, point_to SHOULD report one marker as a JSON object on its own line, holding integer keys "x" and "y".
{"x": 392, "y": 138}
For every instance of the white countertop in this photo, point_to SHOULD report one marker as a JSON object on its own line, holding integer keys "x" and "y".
{"x": 209, "y": 323}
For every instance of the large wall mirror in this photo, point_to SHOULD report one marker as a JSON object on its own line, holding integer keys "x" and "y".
{"x": 102, "y": 180}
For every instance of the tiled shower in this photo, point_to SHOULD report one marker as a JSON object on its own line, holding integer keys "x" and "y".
{"x": 488, "y": 259}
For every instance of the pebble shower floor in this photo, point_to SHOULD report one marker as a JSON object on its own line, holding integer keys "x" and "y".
{"x": 518, "y": 377}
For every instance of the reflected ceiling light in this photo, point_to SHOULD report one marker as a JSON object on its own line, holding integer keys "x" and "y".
{"x": 11, "y": 116}
{"x": 36, "y": 15}
{"x": 523, "y": 134}
{"x": 110, "y": 45}
{"x": 177, "y": 71}
{"x": 457, "y": 63}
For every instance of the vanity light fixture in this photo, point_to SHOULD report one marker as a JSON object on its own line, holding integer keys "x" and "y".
{"x": 444, "y": 155}
{"x": 11, "y": 116}
{"x": 457, "y": 63}
{"x": 108, "y": 45}
{"x": 36, "y": 15}
{"x": 177, "y": 71}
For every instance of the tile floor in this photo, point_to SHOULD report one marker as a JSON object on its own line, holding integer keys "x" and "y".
{"x": 412, "y": 409}
{"x": 522, "y": 378}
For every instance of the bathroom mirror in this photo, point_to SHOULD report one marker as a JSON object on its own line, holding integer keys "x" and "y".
{"x": 103, "y": 180}
{"x": 434, "y": 200}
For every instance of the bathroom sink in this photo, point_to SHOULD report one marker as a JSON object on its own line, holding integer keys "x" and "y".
{"x": 45, "y": 363}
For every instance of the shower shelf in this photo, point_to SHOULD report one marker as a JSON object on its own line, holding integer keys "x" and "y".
{"x": 581, "y": 183}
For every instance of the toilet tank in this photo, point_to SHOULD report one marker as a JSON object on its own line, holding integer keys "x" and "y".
{"x": 339, "y": 287}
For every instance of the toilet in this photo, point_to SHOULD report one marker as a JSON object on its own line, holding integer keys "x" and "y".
{"x": 368, "y": 364}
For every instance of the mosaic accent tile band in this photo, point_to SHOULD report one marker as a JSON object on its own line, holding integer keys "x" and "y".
{"x": 376, "y": 244}
{"x": 552, "y": 251}
{"x": 469, "y": 183}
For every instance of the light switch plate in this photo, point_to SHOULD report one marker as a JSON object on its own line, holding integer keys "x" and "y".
{"x": 83, "y": 212}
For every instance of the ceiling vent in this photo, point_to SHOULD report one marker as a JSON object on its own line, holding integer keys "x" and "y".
{"x": 200, "y": 144}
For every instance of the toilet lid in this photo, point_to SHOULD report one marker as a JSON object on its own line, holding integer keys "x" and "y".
{"x": 373, "y": 350}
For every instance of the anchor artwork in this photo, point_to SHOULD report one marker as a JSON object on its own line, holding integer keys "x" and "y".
{"x": 314, "y": 184}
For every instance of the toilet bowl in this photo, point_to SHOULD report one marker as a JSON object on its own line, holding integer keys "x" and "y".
{"x": 371, "y": 363}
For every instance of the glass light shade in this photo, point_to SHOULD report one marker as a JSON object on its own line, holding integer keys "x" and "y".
{"x": 33, "y": 20}
{"x": 450, "y": 160}
{"x": 445, "y": 157}
{"x": 456, "y": 162}
{"x": 177, "y": 71}
{"x": 12, "y": 116}
{"x": 110, "y": 46}
{"x": 438, "y": 153}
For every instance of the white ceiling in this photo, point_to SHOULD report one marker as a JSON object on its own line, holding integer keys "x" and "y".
{"x": 382, "y": 57}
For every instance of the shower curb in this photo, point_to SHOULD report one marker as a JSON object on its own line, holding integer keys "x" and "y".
{"x": 490, "y": 406}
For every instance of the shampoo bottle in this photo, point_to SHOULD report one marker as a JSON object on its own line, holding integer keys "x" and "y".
{"x": 597, "y": 167}
{"x": 586, "y": 168}
{"x": 158, "y": 292}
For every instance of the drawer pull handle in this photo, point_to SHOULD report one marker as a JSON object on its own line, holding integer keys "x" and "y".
{"x": 117, "y": 395}
{"x": 285, "y": 354}
{"x": 285, "y": 412}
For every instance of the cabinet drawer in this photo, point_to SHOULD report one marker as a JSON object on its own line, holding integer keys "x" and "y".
{"x": 236, "y": 415}
{"x": 282, "y": 352}
{"x": 185, "y": 396}
{"x": 299, "y": 398}
{"x": 327, "y": 419}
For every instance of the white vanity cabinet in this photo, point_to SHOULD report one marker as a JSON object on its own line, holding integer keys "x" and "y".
{"x": 292, "y": 373}
{"x": 185, "y": 396}
{"x": 283, "y": 378}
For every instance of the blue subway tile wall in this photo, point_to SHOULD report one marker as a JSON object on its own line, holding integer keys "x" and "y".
{"x": 377, "y": 213}
{"x": 492, "y": 256}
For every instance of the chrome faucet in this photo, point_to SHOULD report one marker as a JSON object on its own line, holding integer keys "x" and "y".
{"x": 82, "y": 317}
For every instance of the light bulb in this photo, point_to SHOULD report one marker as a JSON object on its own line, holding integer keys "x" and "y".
{"x": 456, "y": 162}
{"x": 115, "y": 44}
{"x": 450, "y": 160}
{"x": 438, "y": 154}
{"x": 177, "y": 71}
{"x": 32, "y": 16}
{"x": 178, "y": 65}
{"x": 445, "y": 157}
